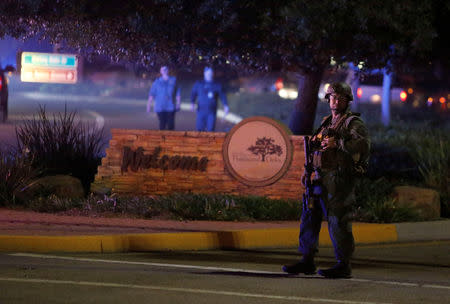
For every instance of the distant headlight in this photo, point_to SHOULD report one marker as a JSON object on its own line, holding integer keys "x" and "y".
{"x": 288, "y": 93}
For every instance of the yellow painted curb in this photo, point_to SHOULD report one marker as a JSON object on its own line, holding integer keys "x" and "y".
{"x": 239, "y": 239}
{"x": 106, "y": 243}
{"x": 365, "y": 233}
{"x": 174, "y": 241}
{"x": 259, "y": 238}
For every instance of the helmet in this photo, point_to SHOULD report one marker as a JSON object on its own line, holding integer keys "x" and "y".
{"x": 340, "y": 88}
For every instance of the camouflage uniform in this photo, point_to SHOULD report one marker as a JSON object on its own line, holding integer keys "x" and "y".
{"x": 336, "y": 171}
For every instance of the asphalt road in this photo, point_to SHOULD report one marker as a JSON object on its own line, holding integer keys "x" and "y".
{"x": 395, "y": 273}
{"x": 103, "y": 112}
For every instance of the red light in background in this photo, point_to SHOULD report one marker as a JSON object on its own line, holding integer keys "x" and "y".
{"x": 403, "y": 95}
{"x": 0, "y": 84}
{"x": 359, "y": 92}
{"x": 442, "y": 100}
{"x": 279, "y": 84}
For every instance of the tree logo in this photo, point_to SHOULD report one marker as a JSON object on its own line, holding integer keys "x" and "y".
{"x": 265, "y": 146}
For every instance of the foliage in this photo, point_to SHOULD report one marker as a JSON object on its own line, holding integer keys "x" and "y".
{"x": 15, "y": 174}
{"x": 429, "y": 145}
{"x": 373, "y": 207}
{"x": 294, "y": 33}
{"x": 385, "y": 211}
{"x": 374, "y": 203}
{"x": 227, "y": 207}
{"x": 62, "y": 145}
{"x": 433, "y": 157}
{"x": 140, "y": 206}
{"x": 52, "y": 203}
{"x": 177, "y": 206}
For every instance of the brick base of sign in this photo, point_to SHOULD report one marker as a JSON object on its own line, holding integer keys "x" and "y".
{"x": 165, "y": 162}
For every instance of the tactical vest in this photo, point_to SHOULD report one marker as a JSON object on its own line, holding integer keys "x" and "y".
{"x": 334, "y": 159}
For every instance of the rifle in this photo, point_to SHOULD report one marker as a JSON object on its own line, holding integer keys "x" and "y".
{"x": 308, "y": 198}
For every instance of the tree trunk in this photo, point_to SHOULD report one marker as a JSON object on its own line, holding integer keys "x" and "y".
{"x": 302, "y": 118}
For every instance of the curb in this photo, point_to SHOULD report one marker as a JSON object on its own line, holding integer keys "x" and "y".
{"x": 364, "y": 233}
{"x": 236, "y": 239}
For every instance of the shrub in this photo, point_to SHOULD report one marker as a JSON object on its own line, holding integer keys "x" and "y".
{"x": 16, "y": 173}
{"x": 377, "y": 207}
{"x": 229, "y": 207}
{"x": 385, "y": 211}
{"x": 433, "y": 158}
{"x": 428, "y": 145}
{"x": 140, "y": 206}
{"x": 62, "y": 145}
{"x": 177, "y": 206}
{"x": 52, "y": 203}
{"x": 375, "y": 204}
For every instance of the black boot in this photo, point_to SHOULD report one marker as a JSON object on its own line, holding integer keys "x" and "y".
{"x": 305, "y": 266}
{"x": 339, "y": 271}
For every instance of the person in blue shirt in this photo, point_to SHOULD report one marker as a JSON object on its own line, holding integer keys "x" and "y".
{"x": 165, "y": 96}
{"x": 206, "y": 92}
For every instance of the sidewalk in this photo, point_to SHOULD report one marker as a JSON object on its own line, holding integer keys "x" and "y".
{"x": 26, "y": 231}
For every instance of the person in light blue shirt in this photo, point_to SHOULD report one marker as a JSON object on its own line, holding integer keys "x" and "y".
{"x": 164, "y": 97}
{"x": 206, "y": 92}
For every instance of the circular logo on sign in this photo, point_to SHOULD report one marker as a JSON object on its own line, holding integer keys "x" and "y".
{"x": 258, "y": 151}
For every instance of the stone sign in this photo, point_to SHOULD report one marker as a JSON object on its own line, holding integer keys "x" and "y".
{"x": 257, "y": 157}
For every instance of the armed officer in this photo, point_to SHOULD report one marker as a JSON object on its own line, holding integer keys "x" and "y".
{"x": 339, "y": 155}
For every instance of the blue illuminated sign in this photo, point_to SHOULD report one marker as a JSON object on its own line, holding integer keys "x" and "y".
{"x": 49, "y": 60}
{"x": 49, "y": 67}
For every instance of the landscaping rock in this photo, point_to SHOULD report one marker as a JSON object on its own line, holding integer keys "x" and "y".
{"x": 60, "y": 185}
{"x": 425, "y": 201}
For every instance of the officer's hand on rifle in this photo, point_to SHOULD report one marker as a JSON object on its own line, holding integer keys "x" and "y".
{"x": 329, "y": 143}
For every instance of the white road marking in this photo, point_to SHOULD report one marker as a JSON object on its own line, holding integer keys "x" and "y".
{"x": 81, "y": 98}
{"x": 187, "y": 290}
{"x": 44, "y": 256}
{"x": 99, "y": 119}
{"x": 386, "y": 282}
{"x": 436, "y": 286}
